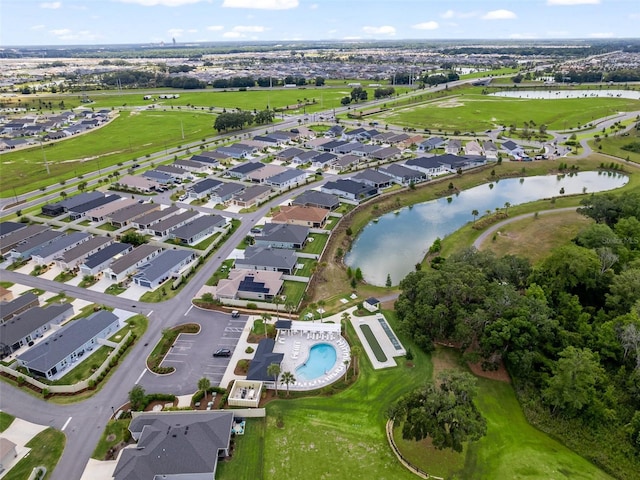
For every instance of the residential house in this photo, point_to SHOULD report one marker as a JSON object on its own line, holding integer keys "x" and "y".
{"x": 97, "y": 262}
{"x": 261, "y": 285}
{"x": 490, "y": 150}
{"x": 125, "y": 216}
{"x": 288, "y": 154}
{"x": 177, "y": 174}
{"x": 67, "y": 347}
{"x": 323, "y": 160}
{"x": 288, "y": 179}
{"x": 226, "y": 192}
{"x": 333, "y": 146}
{"x": 383, "y": 137}
{"x": 312, "y": 217}
{"x": 162, "y": 178}
{"x": 473, "y": 148}
{"x": 251, "y": 196}
{"x": 58, "y": 208}
{"x": 190, "y": 166}
{"x": 208, "y": 161}
{"x": 268, "y": 140}
{"x": 347, "y": 148}
{"x": 261, "y": 174}
{"x": 336, "y": 131}
{"x": 453, "y": 147}
{"x": 317, "y": 143}
{"x": 262, "y": 358}
{"x": 198, "y": 229}
{"x": 146, "y": 221}
{"x": 345, "y": 162}
{"x": 48, "y": 253}
{"x": 513, "y": 149}
{"x": 241, "y": 171}
{"x": 128, "y": 264}
{"x": 278, "y": 235}
{"x": 7, "y": 228}
{"x": 163, "y": 228}
{"x": 360, "y": 134}
{"x": 373, "y": 178}
{"x": 366, "y": 150}
{"x": 104, "y": 212}
{"x": 173, "y": 445}
{"x": 428, "y": 165}
{"x": 305, "y": 157}
{"x": 18, "y": 305}
{"x": 27, "y": 247}
{"x": 403, "y": 175}
{"x": 314, "y": 198}
{"x": 385, "y": 154}
{"x": 22, "y": 330}
{"x": 162, "y": 267}
{"x": 203, "y": 188}
{"x": 81, "y": 210}
{"x": 137, "y": 183}
{"x": 267, "y": 258}
{"x": 349, "y": 189}
{"x": 74, "y": 257}
{"x": 237, "y": 151}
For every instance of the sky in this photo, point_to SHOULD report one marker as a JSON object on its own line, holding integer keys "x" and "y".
{"x": 89, "y": 22}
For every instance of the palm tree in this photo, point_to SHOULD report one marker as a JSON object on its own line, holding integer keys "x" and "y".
{"x": 204, "y": 384}
{"x": 273, "y": 370}
{"x": 290, "y": 308}
{"x": 506, "y": 207}
{"x": 346, "y": 369}
{"x": 475, "y": 213}
{"x": 321, "y": 304}
{"x": 356, "y": 351}
{"x": 277, "y": 301}
{"x": 313, "y": 307}
{"x": 265, "y": 318}
{"x": 287, "y": 378}
{"x": 345, "y": 319}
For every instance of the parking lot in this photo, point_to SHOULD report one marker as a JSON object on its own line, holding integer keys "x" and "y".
{"x": 192, "y": 355}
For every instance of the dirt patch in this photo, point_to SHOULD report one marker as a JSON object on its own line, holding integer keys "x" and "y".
{"x": 111, "y": 437}
{"x": 500, "y": 374}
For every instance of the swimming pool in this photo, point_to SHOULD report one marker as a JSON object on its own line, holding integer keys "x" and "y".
{"x": 322, "y": 358}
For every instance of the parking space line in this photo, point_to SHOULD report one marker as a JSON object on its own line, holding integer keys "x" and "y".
{"x": 178, "y": 354}
{"x": 66, "y": 423}
{"x": 140, "y": 377}
{"x": 172, "y": 361}
{"x": 188, "y": 310}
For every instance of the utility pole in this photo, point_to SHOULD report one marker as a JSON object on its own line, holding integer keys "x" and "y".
{"x": 182, "y": 129}
{"x": 44, "y": 156}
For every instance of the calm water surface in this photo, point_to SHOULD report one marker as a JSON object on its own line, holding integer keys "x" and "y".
{"x": 397, "y": 242}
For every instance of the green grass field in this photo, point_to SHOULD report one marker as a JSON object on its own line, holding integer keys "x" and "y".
{"x": 46, "y": 449}
{"x": 5, "y": 421}
{"x": 248, "y": 455}
{"x": 475, "y": 113}
{"x": 373, "y": 343}
{"x": 612, "y": 145}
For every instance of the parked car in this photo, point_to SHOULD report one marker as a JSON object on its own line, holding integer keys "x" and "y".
{"x": 222, "y": 352}
{"x": 235, "y": 314}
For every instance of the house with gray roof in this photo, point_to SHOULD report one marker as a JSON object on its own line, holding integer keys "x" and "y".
{"x": 236, "y": 151}
{"x": 81, "y": 210}
{"x": 14, "y": 238}
{"x": 513, "y": 149}
{"x": 241, "y": 171}
{"x": 428, "y": 165}
{"x": 323, "y": 160}
{"x": 305, "y": 157}
{"x": 315, "y": 198}
{"x": 100, "y": 260}
{"x": 48, "y": 253}
{"x": 162, "y": 267}
{"x": 453, "y": 147}
{"x": 332, "y": 146}
{"x": 146, "y": 221}
{"x": 267, "y": 258}
{"x": 207, "y": 160}
{"x": 190, "y": 166}
{"x": 125, "y": 216}
{"x": 198, "y": 229}
{"x": 26, "y": 248}
{"x": 431, "y": 144}
{"x": 345, "y": 162}
{"x": 282, "y": 235}
{"x": 264, "y": 357}
{"x": 385, "y": 154}
{"x": 160, "y": 177}
{"x": 251, "y": 196}
{"x": 226, "y": 192}
{"x": 403, "y": 175}
{"x": 490, "y": 150}
{"x": 175, "y": 172}
{"x": 73, "y": 257}
{"x": 7, "y": 228}
{"x": 250, "y": 285}
{"x": 128, "y": 264}
{"x": 163, "y": 228}
{"x": 175, "y": 445}
{"x": 70, "y": 345}
{"x": 23, "y": 330}
{"x": 288, "y": 154}
{"x": 365, "y": 150}
{"x": 203, "y": 188}
{"x": 349, "y": 189}
{"x": 292, "y": 177}
{"x": 373, "y": 178}
{"x": 58, "y": 208}
{"x": 18, "y": 305}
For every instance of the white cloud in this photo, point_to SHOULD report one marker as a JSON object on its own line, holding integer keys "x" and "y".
{"x": 453, "y": 14}
{"x": 499, "y": 15}
{"x": 36, "y": 27}
{"x": 522, "y": 36}
{"x": 60, "y": 32}
{"x": 573, "y": 2}
{"x": 249, "y": 28}
{"x": 215, "y": 28}
{"x": 175, "y": 32}
{"x": 383, "y": 30}
{"x": 426, "y": 26}
{"x": 601, "y": 35}
{"x": 164, "y": 3}
{"x": 51, "y": 5}
{"x": 557, "y": 33}
{"x": 261, "y": 4}
{"x": 232, "y": 35}
{"x": 352, "y": 38}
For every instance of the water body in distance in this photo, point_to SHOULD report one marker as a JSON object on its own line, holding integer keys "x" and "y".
{"x": 398, "y": 241}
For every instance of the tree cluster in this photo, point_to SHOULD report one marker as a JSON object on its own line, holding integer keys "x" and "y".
{"x": 238, "y": 120}
{"x": 567, "y": 330}
{"x": 145, "y": 79}
{"x": 382, "y": 92}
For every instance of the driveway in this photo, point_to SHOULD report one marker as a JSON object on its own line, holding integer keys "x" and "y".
{"x": 134, "y": 292}
{"x": 101, "y": 285}
{"x": 192, "y": 355}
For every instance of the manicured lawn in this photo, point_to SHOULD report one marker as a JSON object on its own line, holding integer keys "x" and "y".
{"x": 5, "y": 421}
{"x": 206, "y": 242}
{"x": 46, "y": 449}
{"x": 115, "y": 289}
{"x": 534, "y": 238}
{"x": 317, "y": 244}
{"x": 220, "y": 273}
{"x": 293, "y": 291}
{"x": 307, "y": 269}
{"x": 612, "y": 145}
{"x": 471, "y": 112}
{"x": 512, "y": 448}
{"x": 373, "y": 343}
{"x": 116, "y": 428}
{"x": 6, "y": 284}
{"x": 61, "y": 297}
{"x": 64, "y": 276}
{"x": 248, "y": 454}
{"x": 108, "y": 227}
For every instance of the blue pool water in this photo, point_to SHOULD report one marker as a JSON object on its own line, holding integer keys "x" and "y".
{"x": 322, "y": 358}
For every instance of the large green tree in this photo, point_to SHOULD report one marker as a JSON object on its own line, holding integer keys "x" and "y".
{"x": 444, "y": 412}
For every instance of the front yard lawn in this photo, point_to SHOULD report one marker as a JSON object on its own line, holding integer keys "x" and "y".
{"x": 293, "y": 291}
{"x": 46, "y": 450}
{"x": 315, "y": 243}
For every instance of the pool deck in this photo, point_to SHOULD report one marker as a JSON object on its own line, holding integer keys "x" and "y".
{"x": 296, "y": 347}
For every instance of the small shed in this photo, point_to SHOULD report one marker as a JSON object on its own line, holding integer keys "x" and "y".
{"x": 245, "y": 393}
{"x": 372, "y": 304}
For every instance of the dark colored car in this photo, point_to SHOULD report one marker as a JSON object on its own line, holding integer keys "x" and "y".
{"x": 222, "y": 352}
